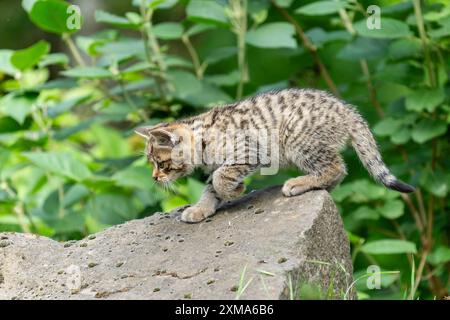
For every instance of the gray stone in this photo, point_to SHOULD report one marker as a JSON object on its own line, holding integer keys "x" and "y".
{"x": 291, "y": 244}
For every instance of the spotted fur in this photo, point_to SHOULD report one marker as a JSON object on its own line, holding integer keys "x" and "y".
{"x": 311, "y": 127}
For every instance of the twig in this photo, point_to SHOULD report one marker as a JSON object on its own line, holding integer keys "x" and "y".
{"x": 130, "y": 102}
{"x": 74, "y": 50}
{"x": 153, "y": 51}
{"x": 419, "y": 272}
{"x": 18, "y": 209}
{"x": 61, "y": 211}
{"x": 371, "y": 88}
{"x": 199, "y": 68}
{"x": 364, "y": 65}
{"x": 407, "y": 199}
{"x": 238, "y": 17}
{"x": 311, "y": 48}
{"x": 422, "y": 212}
{"x": 423, "y": 38}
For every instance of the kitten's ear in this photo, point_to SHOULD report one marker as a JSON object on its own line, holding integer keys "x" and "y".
{"x": 143, "y": 132}
{"x": 165, "y": 138}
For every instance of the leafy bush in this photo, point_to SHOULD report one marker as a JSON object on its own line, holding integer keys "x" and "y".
{"x": 70, "y": 164}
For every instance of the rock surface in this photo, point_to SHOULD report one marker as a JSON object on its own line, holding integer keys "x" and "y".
{"x": 276, "y": 244}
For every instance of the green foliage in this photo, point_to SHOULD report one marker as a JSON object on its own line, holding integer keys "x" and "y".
{"x": 273, "y": 35}
{"x": 49, "y": 15}
{"x": 389, "y": 247}
{"x": 319, "y": 8}
{"x": 70, "y": 164}
{"x": 29, "y": 57}
{"x": 390, "y": 28}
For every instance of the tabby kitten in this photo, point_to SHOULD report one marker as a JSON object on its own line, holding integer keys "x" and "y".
{"x": 301, "y": 127}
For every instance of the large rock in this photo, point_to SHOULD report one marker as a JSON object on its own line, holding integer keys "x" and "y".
{"x": 281, "y": 247}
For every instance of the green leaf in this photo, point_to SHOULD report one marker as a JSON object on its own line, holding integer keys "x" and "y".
{"x": 63, "y": 164}
{"x": 112, "y": 208}
{"x": 192, "y": 190}
{"x": 28, "y": 4}
{"x": 440, "y": 255}
{"x": 135, "y": 177}
{"x": 195, "y": 92}
{"x": 365, "y": 213}
{"x": 425, "y": 99}
{"x": 185, "y": 83}
{"x": 272, "y": 35}
{"x": 156, "y": 4}
{"x": 206, "y": 11}
{"x": 87, "y": 72}
{"x": 16, "y": 106}
{"x": 220, "y": 54}
{"x": 118, "y": 21}
{"x": 5, "y": 62}
{"x": 89, "y": 44}
{"x": 109, "y": 143}
{"x": 436, "y": 182}
{"x": 209, "y": 95}
{"x": 441, "y": 32}
{"x": 168, "y": 30}
{"x": 401, "y": 136}
{"x": 114, "y": 52}
{"x": 364, "y": 190}
{"x": 54, "y": 58}
{"x": 134, "y": 17}
{"x": 437, "y": 15}
{"x": 363, "y": 48}
{"x": 29, "y": 57}
{"x": 319, "y": 37}
{"x": 390, "y": 29}
{"x": 387, "y": 127}
{"x": 75, "y": 194}
{"x": 389, "y": 247}
{"x": 173, "y": 202}
{"x": 392, "y": 209}
{"x": 228, "y": 79}
{"x": 53, "y": 16}
{"x": 140, "y": 66}
{"x": 65, "y": 105}
{"x": 198, "y": 28}
{"x": 320, "y": 8}
{"x": 284, "y": 3}
{"x": 342, "y": 191}
{"x": 405, "y": 48}
{"x": 390, "y": 91}
{"x": 428, "y": 129}
{"x": 444, "y": 22}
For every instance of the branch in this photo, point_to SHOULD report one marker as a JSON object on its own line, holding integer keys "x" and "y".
{"x": 311, "y": 48}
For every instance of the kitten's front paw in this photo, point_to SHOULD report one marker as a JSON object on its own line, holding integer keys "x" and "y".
{"x": 294, "y": 187}
{"x": 195, "y": 214}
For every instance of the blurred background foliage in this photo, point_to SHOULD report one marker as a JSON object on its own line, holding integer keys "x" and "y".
{"x": 70, "y": 164}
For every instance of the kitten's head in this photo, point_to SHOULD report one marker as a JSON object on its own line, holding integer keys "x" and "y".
{"x": 168, "y": 149}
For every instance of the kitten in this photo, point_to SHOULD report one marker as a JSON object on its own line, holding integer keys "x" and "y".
{"x": 301, "y": 127}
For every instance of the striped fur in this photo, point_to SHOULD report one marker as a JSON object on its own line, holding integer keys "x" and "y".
{"x": 311, "y": 127}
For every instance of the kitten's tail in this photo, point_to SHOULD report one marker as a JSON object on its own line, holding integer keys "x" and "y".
{"x": 367, "y": 150}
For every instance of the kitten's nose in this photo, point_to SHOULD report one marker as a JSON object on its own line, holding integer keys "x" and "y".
{"x": 157, "y": 176}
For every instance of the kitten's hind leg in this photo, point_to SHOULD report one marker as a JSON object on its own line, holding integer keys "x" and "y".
{"x": 325, "y": 172}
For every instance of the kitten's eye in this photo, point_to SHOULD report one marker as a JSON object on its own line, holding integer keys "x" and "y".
{"x": 163, "y": 165}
